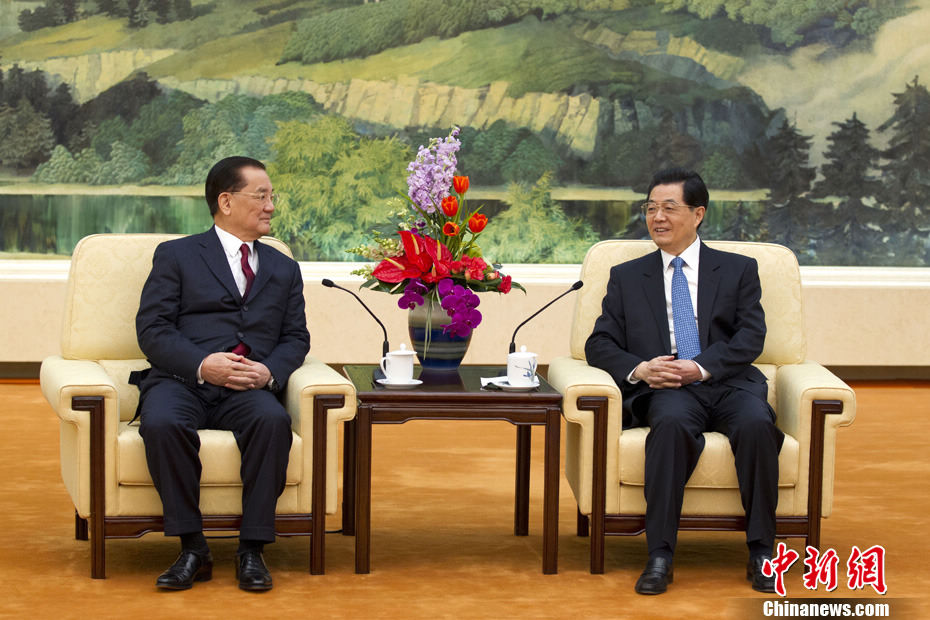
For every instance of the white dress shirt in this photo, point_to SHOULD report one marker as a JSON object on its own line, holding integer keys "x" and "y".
{"x": 232, "y": 246}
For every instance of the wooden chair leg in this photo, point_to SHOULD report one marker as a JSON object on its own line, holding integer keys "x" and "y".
{"x": 582, "y": 524}
{"x": 80, "y": 527}
{"x": 94, "y": 405}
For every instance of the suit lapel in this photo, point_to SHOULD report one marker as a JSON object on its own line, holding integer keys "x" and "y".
{"x": 708, "y": 281}
{"x": 214, "y": 256}
{"x": 654, "y": 291}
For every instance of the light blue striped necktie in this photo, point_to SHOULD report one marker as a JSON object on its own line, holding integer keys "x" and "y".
{"x": 686, "y": 334}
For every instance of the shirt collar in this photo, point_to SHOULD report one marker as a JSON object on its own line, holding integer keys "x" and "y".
{"x": 230, "y": 242}
{"x": 691, "y": 255}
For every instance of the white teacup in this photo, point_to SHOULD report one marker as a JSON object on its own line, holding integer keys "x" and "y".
{"x": 397, "y": 366}
{"x": 521, "y": 368}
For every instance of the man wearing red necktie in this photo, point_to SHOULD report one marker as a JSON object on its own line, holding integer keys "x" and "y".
{"x": 221, "y": 320}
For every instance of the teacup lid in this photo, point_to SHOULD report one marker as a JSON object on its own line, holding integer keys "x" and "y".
{"x": 523, "y": 352}
{"x": 402, "y": 350}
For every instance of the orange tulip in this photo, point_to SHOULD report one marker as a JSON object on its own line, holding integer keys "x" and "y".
{"x": 477, "y": 222}
{"x": 460, "y": 184}
{"x": 450, "y": 205}
{"x": 450, "y": 229}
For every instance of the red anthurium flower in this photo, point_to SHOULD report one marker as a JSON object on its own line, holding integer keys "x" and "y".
{"x": 441, "y": 260}
{"x": 460, "y": 184}
{"x": 450, "y": 229}
{"x": 395, "y": 269}
{"x": 415, "y": 250}
{"x": 450, "y": 206}
{"x": 477, "y": 222}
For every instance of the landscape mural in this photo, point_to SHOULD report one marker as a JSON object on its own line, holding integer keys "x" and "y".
{"x": 810, "y": 121}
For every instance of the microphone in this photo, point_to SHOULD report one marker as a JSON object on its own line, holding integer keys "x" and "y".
{"x": 385, "y": 347}
{"x": 513, "y": 346}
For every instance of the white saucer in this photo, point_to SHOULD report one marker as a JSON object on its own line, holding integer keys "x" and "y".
{"x": 399, "y": 385}
{"x": 503, "y": 384}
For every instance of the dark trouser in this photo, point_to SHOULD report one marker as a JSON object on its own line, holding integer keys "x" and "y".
{"x": 171, "y": 414}
{"x": 677, "y": 418}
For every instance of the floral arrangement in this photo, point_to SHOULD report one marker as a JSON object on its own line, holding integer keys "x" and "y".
{"x": 435, "y": 254}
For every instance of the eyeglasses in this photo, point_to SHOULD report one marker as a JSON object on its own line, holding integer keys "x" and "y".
{"x": 262, "y": 197}
{"x": 669, "y": 207}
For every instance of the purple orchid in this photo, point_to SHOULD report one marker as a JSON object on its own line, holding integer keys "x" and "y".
{"x": 459, "y": 303}
{"x": 413, "y": 295}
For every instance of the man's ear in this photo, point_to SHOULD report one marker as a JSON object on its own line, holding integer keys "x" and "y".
{"x": 223, "y": 202}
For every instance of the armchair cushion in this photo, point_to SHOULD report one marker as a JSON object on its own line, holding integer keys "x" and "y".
{"x": 716, "y": 469}
{"x": 218, "y": 453}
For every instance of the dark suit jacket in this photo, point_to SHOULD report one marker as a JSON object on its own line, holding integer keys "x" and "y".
{"x": 633, "y": 325}
{"x": 190, "y": 307}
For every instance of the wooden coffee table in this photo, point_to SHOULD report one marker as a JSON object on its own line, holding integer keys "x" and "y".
{"x": 453, "y": 395}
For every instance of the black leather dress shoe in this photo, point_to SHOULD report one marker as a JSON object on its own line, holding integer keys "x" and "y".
{"x": 188, "y": 568}
{"x": 251, "y": 572}
{"x": 656, "y": 577}
{"x": 760, "y": 582}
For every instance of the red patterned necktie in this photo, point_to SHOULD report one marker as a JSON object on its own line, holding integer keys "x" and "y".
{"x": 247, "y": 270}
{"x": 242, "y": 348}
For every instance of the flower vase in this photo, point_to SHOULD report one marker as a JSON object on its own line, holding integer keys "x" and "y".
{"x": 437, "y": 350}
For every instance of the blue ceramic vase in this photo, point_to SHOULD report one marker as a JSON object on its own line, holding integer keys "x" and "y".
{"x": 436, "y": 350}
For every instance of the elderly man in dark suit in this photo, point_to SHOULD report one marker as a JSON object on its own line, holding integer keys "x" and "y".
{"x": 679, "y": 330}
{"x": 221, "y": 319}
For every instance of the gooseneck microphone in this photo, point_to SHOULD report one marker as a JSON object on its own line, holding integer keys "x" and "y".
{"x": 513, "y": 346}
{"x": 385, "y": 347}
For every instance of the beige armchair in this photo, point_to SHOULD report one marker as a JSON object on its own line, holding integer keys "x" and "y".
{"x": 604, "y": 464}
{"x": 102, "y": 456}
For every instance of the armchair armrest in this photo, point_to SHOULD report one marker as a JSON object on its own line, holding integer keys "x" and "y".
{"x": 593, "y": 403}
{"x": 811, "y": 403}
{"x": 62, "y": 381}
{"x": 315, "y": 385}
{"x": 798, "y": 385}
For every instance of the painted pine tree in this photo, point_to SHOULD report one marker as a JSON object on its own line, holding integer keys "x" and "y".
{"x": 788, "y": 210}
{"x": 849, "y": 181}
{"x": 907, "y": 172}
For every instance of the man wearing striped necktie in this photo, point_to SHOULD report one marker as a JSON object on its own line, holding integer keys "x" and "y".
{"x": 678, "y": 332}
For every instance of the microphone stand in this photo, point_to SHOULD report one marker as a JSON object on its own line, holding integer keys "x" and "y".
{"x": 385, "y": 347}
{"x": 513, "y": 345}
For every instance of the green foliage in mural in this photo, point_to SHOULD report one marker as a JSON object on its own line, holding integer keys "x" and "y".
{"x": 722, "y": 169}
{"x": 235, "y": 124}
{"x": 370, "y": 28}
{"x": 503, "y": 154}
{"x": 334, "y": 185}
{"x": 535, "y": 229}
{"x": 52, "y": 13}
{"x": 789, "y": 19}
{"x": 139, "y": 13}
{"x": 26, "y": 136}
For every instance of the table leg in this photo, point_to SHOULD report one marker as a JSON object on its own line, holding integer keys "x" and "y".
{"x": 551, "y": 493}
{"x": 363, "y": 490}
{"x": 348, "y": 479}
{"x": 521, "y": 511}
